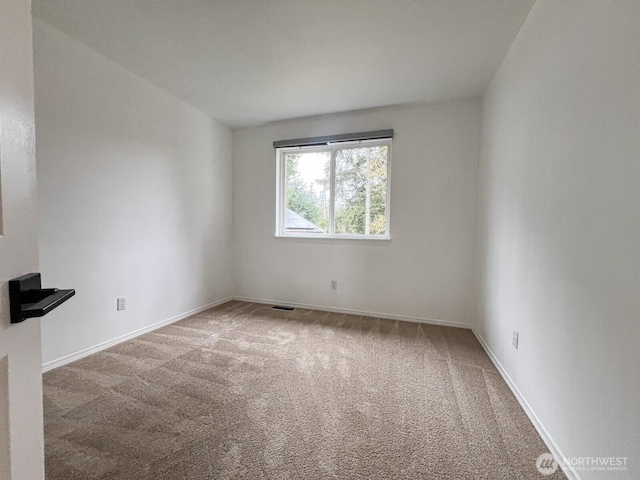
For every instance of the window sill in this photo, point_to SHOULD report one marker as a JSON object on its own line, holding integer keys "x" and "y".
{"x": 365, "y": 238}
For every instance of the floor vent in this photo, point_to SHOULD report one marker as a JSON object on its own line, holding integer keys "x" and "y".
{"x": 282, "y": 307}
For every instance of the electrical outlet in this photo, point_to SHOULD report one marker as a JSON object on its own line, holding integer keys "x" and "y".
{"x": 334, "y": 284}
{"x": 514, "y": 340}
{"x": 122, "y": 303}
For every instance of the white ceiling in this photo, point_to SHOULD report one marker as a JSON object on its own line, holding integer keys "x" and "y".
{"x": 247, "y": 62}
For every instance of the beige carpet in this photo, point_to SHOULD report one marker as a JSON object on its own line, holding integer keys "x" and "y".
{"x": 244, "y": 391}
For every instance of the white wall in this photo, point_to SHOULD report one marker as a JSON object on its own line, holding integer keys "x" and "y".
{"x": 134, "y": 197}
{"x": 424, "y": 271}
{"x": 559, "y": 224}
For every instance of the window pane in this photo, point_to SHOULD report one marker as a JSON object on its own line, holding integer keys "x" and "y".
{"x": 361, "y": 190}
{"x": 307, "y": 180}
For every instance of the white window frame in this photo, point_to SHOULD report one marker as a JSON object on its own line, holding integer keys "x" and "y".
{"x": 329, "y": 147}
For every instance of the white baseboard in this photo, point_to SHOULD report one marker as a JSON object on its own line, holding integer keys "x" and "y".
{"x": 364, "y": 313}
{"x": 542, "y": 431}
{"x": 128, "y": 336}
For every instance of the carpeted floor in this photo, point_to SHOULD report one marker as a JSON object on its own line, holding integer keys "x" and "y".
{"x": 244, "y": 391}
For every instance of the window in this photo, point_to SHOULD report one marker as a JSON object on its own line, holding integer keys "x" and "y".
{"x": 338, "y": 189}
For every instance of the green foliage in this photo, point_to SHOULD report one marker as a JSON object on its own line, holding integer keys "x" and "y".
{"x": 360, "y": 196}
{"x": 361, "y": 173}
{"x": 300, "y": 197}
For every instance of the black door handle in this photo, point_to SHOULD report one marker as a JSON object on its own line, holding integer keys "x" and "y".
{"x": 28, "y": 299}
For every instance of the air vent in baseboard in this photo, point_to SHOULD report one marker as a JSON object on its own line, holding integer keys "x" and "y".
{"x": 282, "y": 307}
